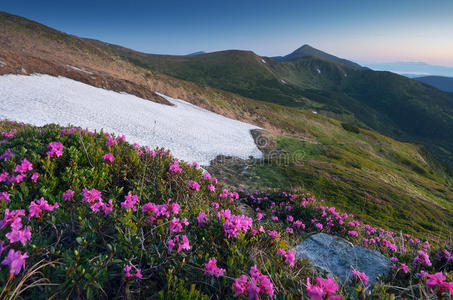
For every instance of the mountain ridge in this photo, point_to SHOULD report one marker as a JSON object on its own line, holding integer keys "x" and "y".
{"x": 442, "y": 83}
{"x": 307, "y": 50}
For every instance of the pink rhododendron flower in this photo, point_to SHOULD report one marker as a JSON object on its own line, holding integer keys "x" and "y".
{"x": 422, "y": 258}
{"x": 130, "y": 201}
{"x": 206, "y": 176}
{"x": 5, "y": 196}
{"x": 108, "y": 207}
{"x": 290, "y": 256}
{"x": 193, "y": 185}
{"x": 216, "y": 205}
{"x": 211, "y": 188}
{"x": 234, "y": 225}
{"x": 10, "y": 134}
{"x": 435, "y": 279}
{"x": 319, "y": 226}
{"x": 176, "y": 225}
{"x": 37, "y": 206}
{"x": 353, "y": 233}
{"x": 182, "y": 243}
{"x": 12, "y": 218}
{"x": 360, "y": 276}
{"x": 15, "y": 260}
{"x": 175, "y": 168}
{"x": 56, "y": 149}
{"x": 24, "y": 166}
{"x": 240, "y": 285}
{"x": 256, "y": 285}
{"x": 108, "y": 157}
{"x": 34, "y": 177}
{"x": 68, "y": 195}
{"x": 127, "y": 270}
{"x": 4, "y": 176}
{"x": 212, "y": 269}
{"x": 324, "y": 287}
{"x": 16, "y": 235}
{"x": 201, "y": 219}
{"x": 404, "y": 268}
{"x": 91, "y": 196}
{"x": 299, "y": 224}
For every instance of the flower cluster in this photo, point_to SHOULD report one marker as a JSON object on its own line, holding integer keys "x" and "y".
{"x": 38, "y": 206}
{"x": 212, "y": 269}
{"x": 193, "y": 185}
{"x": 360, "y": 276}
{"x": 234, "y": 225}
{"x": 55, "y": 149}
{"x": 108, "y": 157}
{"x": 127, "y": 270}
{"x": 437, "y": 282}
{"x": 182, "y": 243}
{"x": 324, "y": 289}
{"x": 254, "y": 285}
{"x": 130, "y": 201}
{"x": 175, "y": 168}
{"x": 290, "y": 256}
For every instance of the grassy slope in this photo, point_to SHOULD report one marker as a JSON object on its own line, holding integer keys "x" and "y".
{"x": 391, "y": 104}
{"x": 332, "y": 173}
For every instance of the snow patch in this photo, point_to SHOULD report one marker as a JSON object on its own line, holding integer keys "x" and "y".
{"x": 315, "y": 112}
{"x": 79, "y": 69}
{"x": 263, "y": 61}
{"x": 2, "y": 63}
{"x": 284, "y": 82}
{"x": 319, "y": 71}
{"x": 190, "y": 132}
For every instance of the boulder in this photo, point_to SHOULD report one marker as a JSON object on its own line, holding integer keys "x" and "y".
{"x": 338, "y": 257}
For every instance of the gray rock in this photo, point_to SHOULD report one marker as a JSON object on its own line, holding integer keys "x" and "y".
{"x": 337, "y": 257}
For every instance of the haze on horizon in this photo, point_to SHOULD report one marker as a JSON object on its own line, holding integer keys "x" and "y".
{"x": 364, "y": 31}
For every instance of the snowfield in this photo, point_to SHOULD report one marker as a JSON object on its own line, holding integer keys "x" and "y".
{"x": 190, "y": 132}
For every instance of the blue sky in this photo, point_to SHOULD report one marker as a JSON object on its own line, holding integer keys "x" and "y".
{"x": 365, "y": 31}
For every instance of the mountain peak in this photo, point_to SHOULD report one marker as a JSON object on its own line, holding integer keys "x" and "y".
{"x": 196, "y": 53}
{"x": 307, "y": 50}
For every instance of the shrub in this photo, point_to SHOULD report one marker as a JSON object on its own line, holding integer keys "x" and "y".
{"x": 350, "y": 127}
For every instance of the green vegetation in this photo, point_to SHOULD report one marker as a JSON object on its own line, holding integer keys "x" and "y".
{"x": 165, "y": 233}
{"x": 388, "y": 103}
{"x": 377, "y": 179}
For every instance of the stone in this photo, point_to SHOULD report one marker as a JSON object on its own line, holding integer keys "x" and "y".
{"x": 338, "y": 257}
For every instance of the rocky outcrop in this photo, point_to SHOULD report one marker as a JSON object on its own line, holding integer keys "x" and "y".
{"x": 338, "y": 257}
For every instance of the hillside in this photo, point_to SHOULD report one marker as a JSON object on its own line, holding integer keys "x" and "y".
{"x": 340, "y": 166}
{"x": 439, "y": 82}
{"x": 169, "y": 230}
{"x": 388, "y": 103}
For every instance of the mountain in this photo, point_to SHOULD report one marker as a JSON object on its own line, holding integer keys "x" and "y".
{"x": 197, "y": 53}
{"x": 307, "y": 50}
{"x": 383, "y": 101}
{"x": 373, "y": 176}
{"x": 413, "y": 69}
{"x": 440, "y": 82}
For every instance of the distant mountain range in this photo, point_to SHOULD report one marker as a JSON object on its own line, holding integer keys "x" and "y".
{"x": 308, "y": 51}
{"x": 196, "y": 53}
{"x": 440, "y": 82}
{"x": 412, "y": 69}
